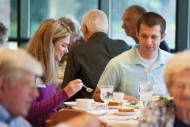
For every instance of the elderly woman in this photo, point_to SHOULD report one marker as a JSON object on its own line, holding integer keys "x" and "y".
{"x": 174, "y": 113}
{"x": 17, "y": 76}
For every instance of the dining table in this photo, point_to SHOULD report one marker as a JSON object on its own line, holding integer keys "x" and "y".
{"x": 111, "y": 116}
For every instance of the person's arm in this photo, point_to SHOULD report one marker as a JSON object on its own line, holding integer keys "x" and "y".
{"x": 130, "y": 98}
{"x": 39, "y": 108}
{"x": 96, "y": 95}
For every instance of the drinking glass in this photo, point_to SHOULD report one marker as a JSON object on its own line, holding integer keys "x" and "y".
{"x": 145, "y": 90}
{"x": 106, "y": 93}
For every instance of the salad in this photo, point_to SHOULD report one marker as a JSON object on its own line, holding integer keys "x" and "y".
{"x": 161, "y": 98}
{"x": 134, "y": 103}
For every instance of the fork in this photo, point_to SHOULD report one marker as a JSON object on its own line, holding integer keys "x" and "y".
{"x": 88, "y": 89}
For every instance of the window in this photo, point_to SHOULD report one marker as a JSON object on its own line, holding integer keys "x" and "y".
{"x": 42, "y": 9}
{"x": 166, "y": 8}
{"x": 23, "y": 17}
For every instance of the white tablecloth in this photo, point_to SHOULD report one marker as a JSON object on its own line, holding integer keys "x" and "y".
{"x": 114, "y": 120}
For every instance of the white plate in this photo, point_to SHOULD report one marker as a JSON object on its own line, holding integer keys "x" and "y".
{"x": 125, "y": 113}
{"x": 135, "y": 106}
{"x": 71, "y": 103}
{"x": 98, "y": 112}
{"x": 84, "y": 109}
{"x": 113, "y": 107}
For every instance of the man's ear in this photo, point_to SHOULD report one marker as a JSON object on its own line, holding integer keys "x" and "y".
{"x": 137, "y": 34}
{"x": 84, "y": 29}
{"x": 163, "y": 36}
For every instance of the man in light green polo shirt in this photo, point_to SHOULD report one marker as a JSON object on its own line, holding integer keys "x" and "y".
{"x": 142, "y": 62}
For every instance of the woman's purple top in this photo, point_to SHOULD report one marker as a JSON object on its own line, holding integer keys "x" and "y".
{"x": 44, "y": 106}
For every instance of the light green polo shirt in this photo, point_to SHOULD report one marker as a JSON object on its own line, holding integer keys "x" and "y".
{"x": 126, "y": 70}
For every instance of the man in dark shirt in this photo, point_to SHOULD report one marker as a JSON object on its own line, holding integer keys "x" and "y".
{"x": 87, "y": 61}
{"x": 130, "y": 17}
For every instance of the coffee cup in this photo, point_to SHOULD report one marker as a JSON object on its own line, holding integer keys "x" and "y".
{"x": 118, "y": 96}
{"x": 84, "y": 103}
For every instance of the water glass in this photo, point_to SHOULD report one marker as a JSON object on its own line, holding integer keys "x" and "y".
{"x": 106, "y": 93}
{"x": 145, "y": 90}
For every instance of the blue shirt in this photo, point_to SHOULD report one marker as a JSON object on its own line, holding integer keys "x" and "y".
{"x": 126, "y": 70}
{"x": 7, "y": 121}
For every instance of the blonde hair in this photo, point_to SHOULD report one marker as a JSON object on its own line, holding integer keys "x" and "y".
{"x": 180, "y": 61}
{"x": 41, "y": 46}
{"x": 95, "y": 21}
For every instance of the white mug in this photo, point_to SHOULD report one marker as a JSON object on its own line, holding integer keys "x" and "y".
{"x": 84, "y": 103}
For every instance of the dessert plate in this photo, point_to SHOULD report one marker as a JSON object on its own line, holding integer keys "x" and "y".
{"x": 135, "y": 104}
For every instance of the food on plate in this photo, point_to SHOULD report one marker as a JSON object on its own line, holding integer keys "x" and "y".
{"x": 161, "y": 98}
{"x": 126, "y": 109}
{"x": 115, "y": 103}
{"x": 134, "y": 103}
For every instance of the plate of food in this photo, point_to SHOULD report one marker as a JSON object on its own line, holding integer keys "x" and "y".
{"x": 158, "y": 98}
{"x": 115, "y": 104}
{"x": 126, "y": 111}
{"x": 135, "y": 104}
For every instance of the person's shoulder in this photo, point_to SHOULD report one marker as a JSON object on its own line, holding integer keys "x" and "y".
{"x": 123, "y": 57}
{"x": 165, "y": 55}
{"x": 119, "y": 41}
{"x": 119, "y": 44}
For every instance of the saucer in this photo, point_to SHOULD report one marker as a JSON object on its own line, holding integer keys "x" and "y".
{"x": 114, "y": 107}
{"x": 70, "y": 104}
{"x": 98, "y": 112}
{"x": 84, "y": 109}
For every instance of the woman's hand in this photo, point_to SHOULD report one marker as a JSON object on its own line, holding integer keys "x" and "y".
{"x": 73, "y": 87}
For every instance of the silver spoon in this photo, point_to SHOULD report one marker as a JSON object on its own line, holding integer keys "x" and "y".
{"x": 88, "y": 89}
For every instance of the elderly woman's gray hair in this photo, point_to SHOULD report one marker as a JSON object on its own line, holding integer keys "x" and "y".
{"x": 179, "y": 62}
{"x": 95, "y": 21}
{"x": 3, "y": 33}
{"x": 12, "y": 61}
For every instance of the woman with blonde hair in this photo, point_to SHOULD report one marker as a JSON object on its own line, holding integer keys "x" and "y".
{"x": 48, "y": 45}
